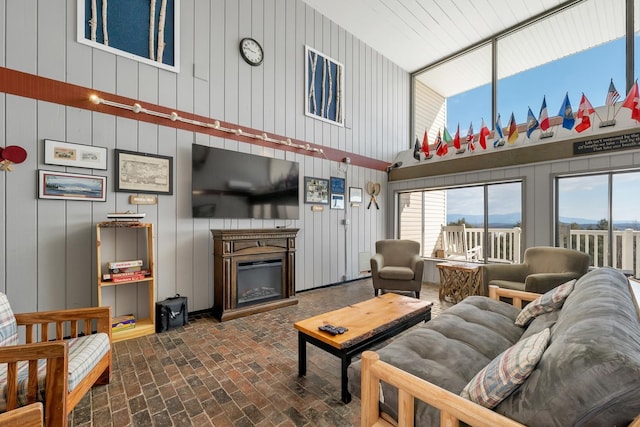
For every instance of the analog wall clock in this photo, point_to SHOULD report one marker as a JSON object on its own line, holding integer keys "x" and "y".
{"x": 251, "y": 51}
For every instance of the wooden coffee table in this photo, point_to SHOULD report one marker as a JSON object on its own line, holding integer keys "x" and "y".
{"x": 368, "y": 322}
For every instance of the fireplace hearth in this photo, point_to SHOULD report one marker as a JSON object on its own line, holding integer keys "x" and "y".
{"x": 254, "y": 271}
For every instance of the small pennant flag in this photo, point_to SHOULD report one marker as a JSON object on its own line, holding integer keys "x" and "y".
{"x": 612, "y": 95}
{"x": 532, "y": 123}
{"x": 543, "y": 118}
{"x": 416, "y": 149}
{"x": 632, "y": 102}
{"x": 484, "y": 133}
{"x": 441, "y": 147}
{"x": 425, "y": 144}
{"x": 567, "y": 113}
{"x": 446, "y": 136}
{"x": 456, "y": 141}
{"x": 499, "y": 133}
{"x": 470, "y": 144}
{"x": 512, "y": 131}
{"x": 584, "y": 111}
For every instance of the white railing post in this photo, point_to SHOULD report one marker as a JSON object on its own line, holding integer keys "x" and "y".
{"x": 627, "y": 249}
{"x": 517, "y": 231}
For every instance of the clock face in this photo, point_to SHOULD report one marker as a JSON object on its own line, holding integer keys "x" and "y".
{"x": 251, "y": 51}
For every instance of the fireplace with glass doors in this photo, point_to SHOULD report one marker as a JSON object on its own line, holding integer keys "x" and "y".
{"x": 254, "y": 271}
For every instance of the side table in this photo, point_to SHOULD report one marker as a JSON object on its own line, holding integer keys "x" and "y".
{"x": 458, "y": 280}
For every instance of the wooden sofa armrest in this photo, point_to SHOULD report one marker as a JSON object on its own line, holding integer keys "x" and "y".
{"x": 56, "y": 386}
{"x": 453, "y": 408}
{"x": 26, "y": 416}
{"x": 495, "y": 292}
{"x": 73, "y": 317}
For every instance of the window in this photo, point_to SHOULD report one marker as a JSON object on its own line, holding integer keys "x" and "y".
{"x": 422, "y": 213}
{"x": 578, "y": 49}
{"x": 600, "y": 214}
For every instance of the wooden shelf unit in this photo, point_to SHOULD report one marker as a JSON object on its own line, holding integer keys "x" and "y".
{"x": 145, "y": 325}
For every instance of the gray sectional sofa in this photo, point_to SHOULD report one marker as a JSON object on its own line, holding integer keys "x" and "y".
{"x": 589, "y": 375}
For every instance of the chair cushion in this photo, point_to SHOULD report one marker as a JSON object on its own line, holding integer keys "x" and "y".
{"x": 396, "y": 273}
{"x": 8, "y": 325}
{"x": 550, "y": 301}
{"x": 507, "y": 371}
{"x": 84, "y": 354}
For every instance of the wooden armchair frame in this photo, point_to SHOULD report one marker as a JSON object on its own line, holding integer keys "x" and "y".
{"x": 59, "y": 402}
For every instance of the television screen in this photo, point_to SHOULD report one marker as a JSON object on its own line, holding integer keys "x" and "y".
{"x": 231, "y": 184}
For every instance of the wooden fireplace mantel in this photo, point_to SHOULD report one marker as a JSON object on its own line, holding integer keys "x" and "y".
{"x": 232, "y": 247}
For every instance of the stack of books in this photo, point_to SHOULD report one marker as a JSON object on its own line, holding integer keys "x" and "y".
{"x": 122, "y": 323}
{"x": 125, "y": 271}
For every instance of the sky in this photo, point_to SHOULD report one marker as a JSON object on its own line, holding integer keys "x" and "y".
{"x": 589, "y": 72}
{"x": 574, "y": 75}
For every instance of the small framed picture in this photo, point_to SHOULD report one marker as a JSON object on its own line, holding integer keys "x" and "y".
{"x": 337, "y": 201}
{"x": 143, "y": 173}
{"x": 76, "y": 155}
{"x": 337, "y": 185}
{"x": 316, "y": 190}
{"x": 355, "y": 195}
{"x": 71, "y": 186}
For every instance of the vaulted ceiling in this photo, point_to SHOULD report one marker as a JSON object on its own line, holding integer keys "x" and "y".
{"x": 418, "y": 33}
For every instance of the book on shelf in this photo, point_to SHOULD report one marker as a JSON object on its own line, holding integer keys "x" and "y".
{"x": 119, "y": 275}
{"x": 131, "y": 278}
{"x": 124, "y": 264}
{"x": 122, "y": 323}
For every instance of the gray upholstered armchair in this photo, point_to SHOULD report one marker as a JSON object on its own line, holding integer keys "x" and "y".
{"x": 543, "y": 268}
{"x": 397, "y": 265}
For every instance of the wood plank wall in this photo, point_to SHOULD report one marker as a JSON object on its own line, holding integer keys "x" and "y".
{"x": 47, "y": 249}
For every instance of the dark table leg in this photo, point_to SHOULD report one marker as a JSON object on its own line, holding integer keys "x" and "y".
{"x": 346, "y": 361}
{"x": 302, "y": 354}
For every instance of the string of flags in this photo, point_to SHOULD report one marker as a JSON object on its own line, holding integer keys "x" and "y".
{"x": 579, "y": 121}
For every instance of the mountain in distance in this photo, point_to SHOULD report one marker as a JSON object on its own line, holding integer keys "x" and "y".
{"x": 511, "y": 219}
{"x": 497, "y": 221}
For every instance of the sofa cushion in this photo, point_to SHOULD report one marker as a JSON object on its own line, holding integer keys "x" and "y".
{"x": 589, "y": 374}
{"x": 549, "y": 301}
{"x": 8, "y": 325}
{"x": 474, "y": 331}
{"x": 84, "y": 354}
{"x": 507, "y": 371}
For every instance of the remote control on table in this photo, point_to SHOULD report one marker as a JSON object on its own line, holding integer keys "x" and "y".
{"x": 333, "y": 330}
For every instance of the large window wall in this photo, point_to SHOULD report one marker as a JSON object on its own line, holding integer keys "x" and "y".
{"x": 490, "y": 212}
{"x": 600, "y": 214}
{"x": 574, "y": 50}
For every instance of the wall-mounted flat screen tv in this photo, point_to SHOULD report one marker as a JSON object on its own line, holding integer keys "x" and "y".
{"x": 231, "y": 184}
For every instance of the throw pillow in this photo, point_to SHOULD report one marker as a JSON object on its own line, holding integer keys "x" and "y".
{"x": 507, "y": 371}
{"x": 550, "y": 301}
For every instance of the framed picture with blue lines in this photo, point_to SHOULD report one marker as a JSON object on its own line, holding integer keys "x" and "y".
{"x": 324, "y": 87}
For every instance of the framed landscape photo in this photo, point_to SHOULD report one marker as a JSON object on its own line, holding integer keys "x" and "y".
{"x": 75, "y": 155}
{"x": 143, "y": 173}
{"x": 316, "y": 190}
{"x": 71, "y": 186}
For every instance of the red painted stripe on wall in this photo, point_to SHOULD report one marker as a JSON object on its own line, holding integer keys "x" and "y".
{"x": 58, "y": 92}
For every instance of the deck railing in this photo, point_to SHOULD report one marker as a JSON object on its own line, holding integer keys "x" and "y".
{"x": 625, "y": 251}
{"x": 503, "y": 243}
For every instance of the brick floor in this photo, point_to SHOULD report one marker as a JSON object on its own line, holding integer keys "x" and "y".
{"x": 243, "y": 372}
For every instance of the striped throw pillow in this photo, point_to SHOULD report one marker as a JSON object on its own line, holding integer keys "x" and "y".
{"x": 550, "y": 301}
{"x": 8, "y": 325}
{"x": 507, "y": 371}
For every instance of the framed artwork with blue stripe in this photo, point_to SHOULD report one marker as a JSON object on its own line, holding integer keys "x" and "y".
{"x": 143, "y": 30}
{"x": 324, "y": 87}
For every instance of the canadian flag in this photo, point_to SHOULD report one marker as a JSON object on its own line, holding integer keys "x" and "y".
{"x": 632, "y": 102}
{"x": 584, "y": 111}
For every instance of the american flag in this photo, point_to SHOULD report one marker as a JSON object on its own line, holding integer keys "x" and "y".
{"x": 612, "y": 95}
